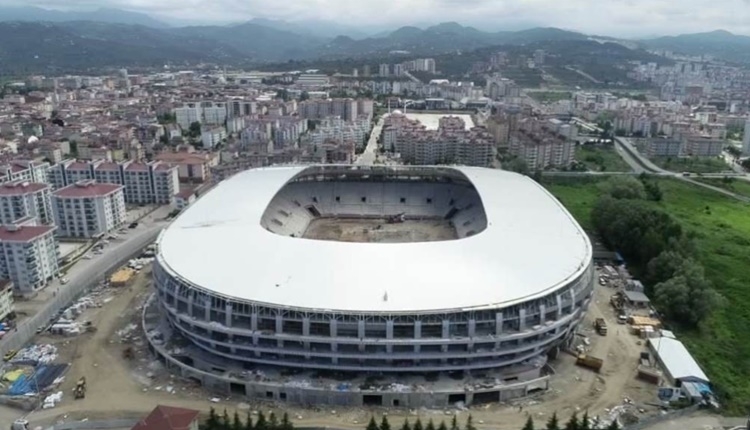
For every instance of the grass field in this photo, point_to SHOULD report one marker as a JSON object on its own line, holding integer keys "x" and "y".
{"x": 692, "y": 164}
{"x": 601, "y": 158}
{"x": 550, "y": 96}
{"x": 722, "y": 236}
{"x": 736, "y": 186}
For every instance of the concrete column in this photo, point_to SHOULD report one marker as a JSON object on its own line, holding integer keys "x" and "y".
{"x": 334, "y": 334}
{"x": 190, "y": 304}
{"x": 522, "y": 320}
{"x": 306, "y": 332}
{"x": 498, "y": 323}
{"x": 445, "y": 335}
{"x": 389, "y": 335}
{"x": 417, "y": 334}
{"x": 207, "y": 311}
{"x": 542, "y": 313}
{"x": 228, "y": 315}
{"x": 472, "y": 326}
{"x": 279, "y": 329}
{"x": 361, "y": 334}
{"x": 572, "y": 300}
{"x": 559, "y": 307}
{"x": 254, "y": 321}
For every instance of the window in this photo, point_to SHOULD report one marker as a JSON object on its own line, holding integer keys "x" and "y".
{"x": 364, "y": 199}
{"x": 338, "y": 199}
{"x": 403, "y": 199}
{"x": 429, "y": 201}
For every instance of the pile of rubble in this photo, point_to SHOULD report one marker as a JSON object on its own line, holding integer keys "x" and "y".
{"x": 41, "y": 354}
{"x": 52, "y": 400}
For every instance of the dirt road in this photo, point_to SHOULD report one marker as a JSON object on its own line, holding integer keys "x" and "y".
{"x": 115, "y": 391}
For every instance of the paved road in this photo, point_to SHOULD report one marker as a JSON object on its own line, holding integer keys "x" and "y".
{"x": 368, "y": 157}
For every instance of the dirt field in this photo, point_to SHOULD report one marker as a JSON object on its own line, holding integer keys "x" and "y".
{"x": 372, "y": 230}
{"x": 120, "y": 388}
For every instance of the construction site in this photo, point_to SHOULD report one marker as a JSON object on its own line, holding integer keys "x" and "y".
{"x": 111, "y": 365}
{"x": 391, "y": 230}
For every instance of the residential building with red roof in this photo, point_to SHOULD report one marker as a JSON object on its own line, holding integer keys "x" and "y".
{"x": 169, "y": 418}
{"x": 28, "y": 256}
{"x": 88, "y": 209}
{"x": 21, "y": 199}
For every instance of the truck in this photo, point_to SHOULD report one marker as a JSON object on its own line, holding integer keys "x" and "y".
{"x": 592, "y": 363}
{"x": 601, "y": 326}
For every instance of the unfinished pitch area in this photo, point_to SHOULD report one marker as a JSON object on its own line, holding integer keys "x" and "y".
{"x": 379, "y": 230}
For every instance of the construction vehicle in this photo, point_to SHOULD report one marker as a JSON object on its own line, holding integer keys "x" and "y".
{"x": 20, "y": 424}
{"x": 592, "y": 363}
{"x": 397, "y": 219}
{"x": 9, "y": 355}
{"x": 80, "y": 390}
{"x": 601, "y": 326}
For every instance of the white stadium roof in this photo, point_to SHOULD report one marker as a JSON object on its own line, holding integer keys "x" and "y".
{"x": 531, "y": 246}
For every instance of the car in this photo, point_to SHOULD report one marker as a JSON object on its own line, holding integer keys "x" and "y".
{"x": 9, "y": 355}
{"x": 133, "y": 225}
{"x": 40, "y": 329}
{"x": 64, "y": 281}
{"x": 88, "y": 257}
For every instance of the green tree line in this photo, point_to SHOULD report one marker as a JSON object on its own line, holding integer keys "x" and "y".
{"x": 574, "y": 423}
{"x": 225, "y": 422}
{"x": 656, "y": 246}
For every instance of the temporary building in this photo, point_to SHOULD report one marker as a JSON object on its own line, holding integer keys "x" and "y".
{"x": 678, "y": 365}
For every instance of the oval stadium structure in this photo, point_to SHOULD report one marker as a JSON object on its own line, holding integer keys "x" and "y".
{"x": 376, "y": 270}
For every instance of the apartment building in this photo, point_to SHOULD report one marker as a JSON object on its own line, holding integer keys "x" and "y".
{"x": 312, "y": 79}
{"x": 188, "y": 114}
{"x": 145, "y": 183}
{"x": 746, "y": 139}
{"x": 702, "y": 146}
{"x": 25, "y": 200}
{"x": 384, "y": 69}
{"x": 451, "y": 143}
{"x": 542, "y": 144}
{"x": 28, "y": 256}
{"x": 6, "y": 298}
{"x": 192, "y": 167}
{"x": 24, "y": 170}
{"x": 213, "y": 136}
{"x": 344, "y": 108}
{"x": 339, "y": 131}
{"x": 88, "y": 209}
{"x": 663, "y": 147}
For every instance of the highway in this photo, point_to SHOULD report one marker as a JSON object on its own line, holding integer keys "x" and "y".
{"x": 83, "y": 275}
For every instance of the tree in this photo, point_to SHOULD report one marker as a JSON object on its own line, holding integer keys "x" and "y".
{"x": 273, "y": 422}
{"x": 405, "y": 425}
{"x": 236, "y": 422}
{"x": 212, "y": 423}
{"x": 304, "y": 96}
{"x": 195, "y": 129}
{"x": 260, "y": 423}
{"x": 553, "y": 423}
{"x": 663, "y": 267}
{"x": 430, "y": 425}
{"x": 286, "y": 424}
{"x": 224, "y": 423}
{"x": 613, "y": 425}
{"x": 372, "y": 425}
{"x": 623, "y": 187}
{"x": 688, "y": 297}
{"x": 249, "y": 422}
{"x": 442, "y": 426}
{"x": 454, "y": 423}
{"x": 418, "y": 425}
{"x": 384, "y": 424}
{"x": 572, "y": 423}
{"x": 529, "y": 424}
{"x": 585, "y": 423}
{"x": 470, "y": 423}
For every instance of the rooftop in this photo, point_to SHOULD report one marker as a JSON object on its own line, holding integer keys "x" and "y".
{"x": 11, "y": 233}
{"x": 21, "y": 187}
{"x": 88, "y": 188}
{"x": 531, "y": 246}
{"x": 167, "y": 418}
{"x": 676, "y": 359}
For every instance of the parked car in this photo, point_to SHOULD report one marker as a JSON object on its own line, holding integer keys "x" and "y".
{"x": 133, "y": 225}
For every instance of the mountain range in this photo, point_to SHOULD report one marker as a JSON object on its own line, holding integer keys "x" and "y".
{"x": 36, "y": 40}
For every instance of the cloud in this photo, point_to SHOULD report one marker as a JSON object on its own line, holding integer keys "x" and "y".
{"x": 604, "y": 17}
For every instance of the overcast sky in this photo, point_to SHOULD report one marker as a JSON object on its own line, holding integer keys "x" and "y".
{"x": 605, "y": 17}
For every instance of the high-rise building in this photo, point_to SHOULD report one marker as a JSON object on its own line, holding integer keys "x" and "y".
{"x": 21, "y": 200}
{"x": 398, "y": 69}
{"x": 539, "y": 56}
{"x": 385, "y": 69}
{"x": 746, "y": 139}
{"x": 366, "y": 70}
{"x": 88, "y": 209}
{"x": 28, "y": 256}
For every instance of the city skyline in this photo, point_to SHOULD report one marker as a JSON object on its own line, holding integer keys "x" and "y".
{"x": 622, "y": 18}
